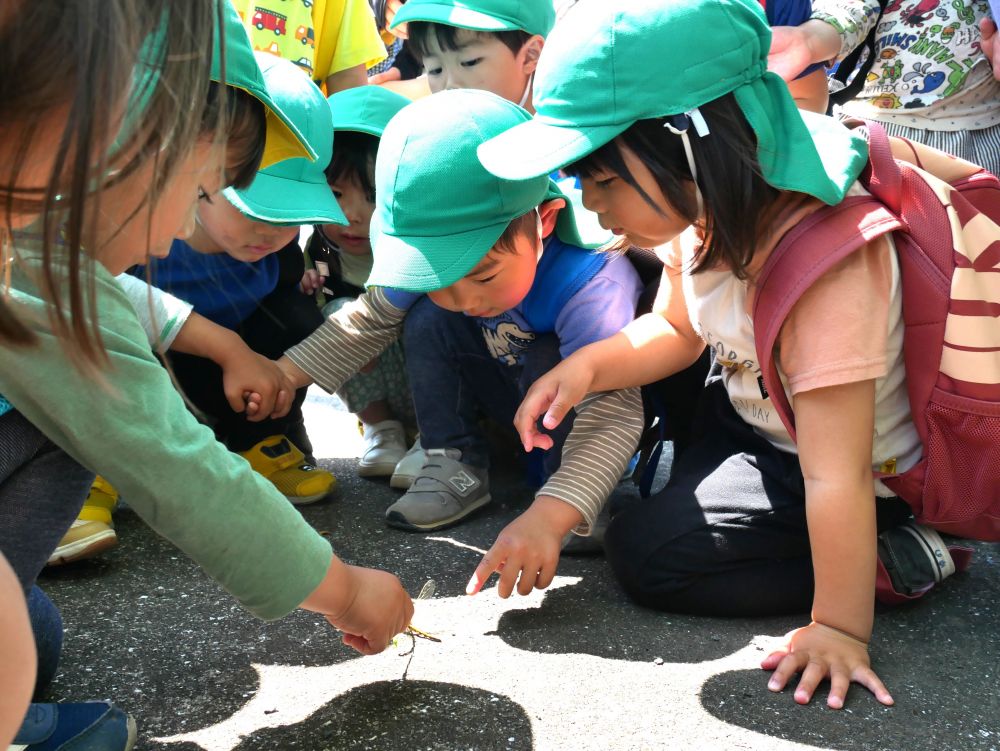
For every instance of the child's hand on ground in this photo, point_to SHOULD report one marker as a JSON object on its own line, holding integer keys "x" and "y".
{"x": 553, "y": 395}
{"x": 369, "y": 606}
{"x": 526, "y": 552}
{"x": 990, "y": 44}
{"x": 818, "y": 651}
{"x": 311, "y": 282}
{"x": 255, "y": 385}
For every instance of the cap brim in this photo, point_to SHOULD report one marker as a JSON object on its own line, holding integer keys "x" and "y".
{"x": 448, "y": 14}
{"x": 284, "y": 140}
{"x": 278, "y": 200}
{"x": 358, "y": 127}
{"x": 401, "y": 262}
{"x": 536, "y": 148}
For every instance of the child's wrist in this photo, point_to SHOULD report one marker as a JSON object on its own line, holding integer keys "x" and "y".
{"x": 822, "y": 40}
{"x": 296, "y": 376}
{"x": 842, "y": 633}
{"x": 223, "y": 346}
{"x": 556, "y": 514}
{"x": 335, "y": 595}
{"x": 588, "y": 362}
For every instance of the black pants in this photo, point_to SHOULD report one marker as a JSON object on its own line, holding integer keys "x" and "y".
{"x": 283, "y": 319}
{"x": 727, "y": 535}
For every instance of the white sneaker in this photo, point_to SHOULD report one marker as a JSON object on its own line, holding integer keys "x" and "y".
{"x": 409, "y": 467}
{"x": 385, "y": 446}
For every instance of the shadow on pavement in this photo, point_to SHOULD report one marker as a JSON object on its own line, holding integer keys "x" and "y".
{"x": 597, "y": 618}
{"x": 411, "y": 714}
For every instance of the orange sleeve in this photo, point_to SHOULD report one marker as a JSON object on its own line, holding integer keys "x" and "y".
{"x": 837, "y": 332}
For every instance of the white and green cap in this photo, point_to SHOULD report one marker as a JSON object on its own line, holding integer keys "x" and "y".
{"x": 608, "y": 65}
{"x": 293, "y": 191}
{"x": 532, "y": 16}
{"x": 284, "y": 139}
{"x": 438, "y": 212}
{"x": 365, "y": 109}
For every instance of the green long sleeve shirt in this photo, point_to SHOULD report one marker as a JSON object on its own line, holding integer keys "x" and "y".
{"x": 134, "y": 429}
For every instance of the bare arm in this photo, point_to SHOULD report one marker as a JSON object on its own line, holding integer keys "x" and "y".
{"x": 251, "y": 382}
{"x": 652, "y": 347}
{"x": 348, "y": 78}
{"x": 811, "y": 92}
{"x": 835, "y": 427}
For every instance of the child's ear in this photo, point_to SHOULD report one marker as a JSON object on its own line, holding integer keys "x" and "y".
{"x": 548, "y": 212}
{"x": 530, "y": 53}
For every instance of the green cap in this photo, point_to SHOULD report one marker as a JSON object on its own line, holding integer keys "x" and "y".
{"x": 293, "y": 191}
{"x": 533, "y": 16}
{"x": 366, "y": 109}
{"x": 610, "y": 64}
{"x": 438, "y": 212}
{"x": 284, "y": 139}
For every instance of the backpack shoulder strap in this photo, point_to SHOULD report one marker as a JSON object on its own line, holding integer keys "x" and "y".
{"x": 863, "y": 53}
{"x": 802, "y": 256}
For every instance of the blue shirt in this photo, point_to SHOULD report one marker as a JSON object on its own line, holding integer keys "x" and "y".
{"x": 601, "y": 308}
{"x": 218, "y": 286}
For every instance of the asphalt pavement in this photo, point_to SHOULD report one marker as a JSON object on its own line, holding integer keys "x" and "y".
{"x": 575, "y": 667}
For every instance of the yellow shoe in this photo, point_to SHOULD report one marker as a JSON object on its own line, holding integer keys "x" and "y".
{"x": 93, "y": 531}
{"x": 277, "y": 459}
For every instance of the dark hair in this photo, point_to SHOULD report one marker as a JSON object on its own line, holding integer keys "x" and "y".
{"x": 526, "y": 225}
{"x": 354, "y": 159}
{"x": 737, "y": 199}
{"x": 103, "y": 45}
{"x": 246, "y": 136}
{"x": 447, "y": 37}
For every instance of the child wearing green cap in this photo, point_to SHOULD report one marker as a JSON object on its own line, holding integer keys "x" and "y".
{"x": 711, "y": 167}
{"x": 87, "y": 393}
{"x": 492, "y": 45}
{"x": 342, "y": 254}
{"x": 490, "y": 284}
{"x": 241, "y": 269}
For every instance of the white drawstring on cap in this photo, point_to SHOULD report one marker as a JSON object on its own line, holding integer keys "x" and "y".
{"x": 695, "y": 118}
{"x": 527, "y": 91}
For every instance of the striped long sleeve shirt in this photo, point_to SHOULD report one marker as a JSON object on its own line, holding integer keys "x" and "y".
{"x": 607, "y": 427}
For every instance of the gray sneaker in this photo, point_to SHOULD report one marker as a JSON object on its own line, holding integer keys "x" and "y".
{"x": 444, "y": 492}
{"x": 409, "y": 467}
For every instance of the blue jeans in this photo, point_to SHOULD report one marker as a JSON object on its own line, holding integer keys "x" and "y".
{"x": 41, "y": 491}
{"x": 47, "y": 627}
{"x": 455, "y": 380}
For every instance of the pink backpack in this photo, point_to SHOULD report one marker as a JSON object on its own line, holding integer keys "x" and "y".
{"x": 947, "y": 236}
